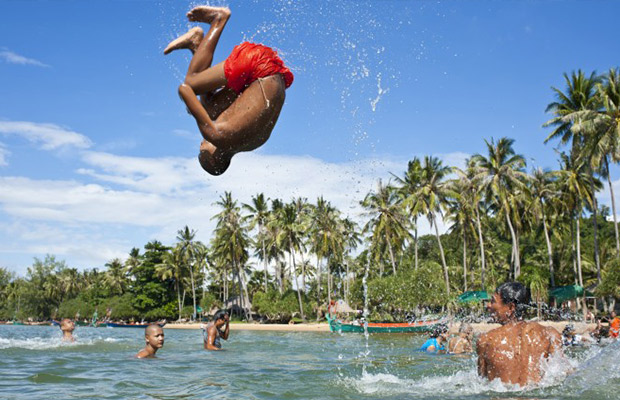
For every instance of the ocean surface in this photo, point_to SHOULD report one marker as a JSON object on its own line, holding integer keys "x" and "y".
{"x": 35, "y": 364}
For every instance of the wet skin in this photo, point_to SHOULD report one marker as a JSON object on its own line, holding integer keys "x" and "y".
{"x": 514, "y": 352}
{"x": 67, "y": 327}
{"x": 229, "y": 123}
{"x": 154, "y": 337}
{"x": 214, "y": 331}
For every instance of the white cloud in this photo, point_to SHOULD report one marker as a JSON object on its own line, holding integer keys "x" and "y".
{"x": 4, "y": 153}
{"x": 14, "y": 58}
{"x": 137, "y": 199}
{"x": 48, "y": 136}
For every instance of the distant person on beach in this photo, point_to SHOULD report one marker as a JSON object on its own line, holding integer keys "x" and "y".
{"x": 154, "y": 337}
{"x": 614, "y": 325}
{"x": 463, "y": 342}
{"x": 218, "y": 328}
{"x": 240, "y": 98}
{"x": 515, "y": 351}
{"x": 67, "y": 327}
{"x": 436, "y": 343}
{"x": 571, "y": 338}
{"x": 600, "y": 331}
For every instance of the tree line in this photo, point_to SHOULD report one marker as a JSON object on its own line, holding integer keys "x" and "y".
{"x": 277, "y": 258}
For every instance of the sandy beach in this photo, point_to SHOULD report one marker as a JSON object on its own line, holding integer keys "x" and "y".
{"x": 580, "y": 327}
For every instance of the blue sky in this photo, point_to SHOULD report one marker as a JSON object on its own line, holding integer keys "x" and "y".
{"x": 97, "y": 154}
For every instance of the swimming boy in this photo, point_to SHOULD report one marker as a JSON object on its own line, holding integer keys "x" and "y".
{"x": 241, "y": 98}
{"x": 439, "y": 336}
{"x": 154, "y": 337}
{"x": 514, "y": 352}
{"x": 462, "y": 343}
{"x": 212, "y": 333}
{"x": 67, "y": 327}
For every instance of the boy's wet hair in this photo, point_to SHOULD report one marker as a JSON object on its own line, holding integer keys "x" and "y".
{"x": 220, "y": 315}
{"x": 514, "y": 293}
{"x": 438, "y": 330}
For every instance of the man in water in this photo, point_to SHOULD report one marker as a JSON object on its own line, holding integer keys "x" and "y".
{"x": 439, "y": 336}
{"x": 462, "y": 343}
{"x": 212, "y": 333}
{"x": 154, "y": 337}
{"x": 514, "y": 352}
{"x": 67, "y": 327}
{"x": 614, "y": 325}
{"x": 241, "y": 98}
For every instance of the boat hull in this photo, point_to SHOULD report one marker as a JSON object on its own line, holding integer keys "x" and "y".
{"x": 414, "y": 327}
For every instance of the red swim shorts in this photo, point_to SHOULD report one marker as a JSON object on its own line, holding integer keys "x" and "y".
{"x": 250, "y": 61}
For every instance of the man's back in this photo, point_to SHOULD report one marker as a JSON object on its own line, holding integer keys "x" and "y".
{"x": 513, "y": 352}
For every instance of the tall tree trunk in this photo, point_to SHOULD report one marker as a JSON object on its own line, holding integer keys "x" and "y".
{"x": 176, "y": 283}
{"x": 303, "y": 271}
{"x": 415, "y": 246}
{"x": 301, "y": 307}
{"x": 191, "y": 275}
{"x": 549, "y": 252}
{"x": 578, "y": 238}
{"x": 318, "y": 279}
{"x": 329, "y": 282}
{"x": 515, "y": 248}
{"x": 346, "y": 283}
{"x": 613, "y": 207}
{"x": 595, "y": 221}
{"x": 264, "y": 257}
{"x": 443, "y": 257}
{"x": 482, "y": 259}
{"x": 464, "y": 261}
{"x": 391, "y": 252}
{"x": 574, "y": 254}
{"x": 246, "y": 296}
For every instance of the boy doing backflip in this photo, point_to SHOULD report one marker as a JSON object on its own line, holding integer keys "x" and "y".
{"x": 240, "y": 98}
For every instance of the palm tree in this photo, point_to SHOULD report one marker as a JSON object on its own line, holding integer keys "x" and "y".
{"x": 603, "y": 127}
{"x": 115, "y": 277}
{"x": 572, "y": 112}
{"x": 473, "y": 190}
{"x": 258, "y": 216}
{"x": 433, "y": 195}
{"x": 388, "y": 222}
{"x": 231, "y": 243}
{"x": 189, "y": 248}
{"x": 408, "y": 190}
{"x": 543, "y": 188}
{"x": 171, "y": 269}
{"x": 461, "y": 215}
{"x": 289, "y": 236}
{"x": 501, "y": 174}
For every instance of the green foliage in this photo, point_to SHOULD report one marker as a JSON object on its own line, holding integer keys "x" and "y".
{"x": 610, "y": 285}
{"x": 278, "y": 307}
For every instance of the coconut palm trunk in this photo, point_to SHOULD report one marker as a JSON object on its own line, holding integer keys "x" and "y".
{"x": 464, "y": 261}
{"x": 597, "y": 260}
{"x": 176, "y": 284}
{"x": 482, "y": 259}
{"x": 515, "y": 248}
{"x": 549, "y": 251}
{"x": 391, "y": 251}
{"x": 264, "y": 260}
{"x": 443, "y": 257}
{"x": 415, "y": 246}
{"x": 301, "y": 308}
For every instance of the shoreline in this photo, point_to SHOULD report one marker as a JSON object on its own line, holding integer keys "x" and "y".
{"x": 580, "y": 327}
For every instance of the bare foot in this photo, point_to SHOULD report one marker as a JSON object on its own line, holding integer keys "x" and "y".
{"x": 208, "y": 14}
{"x": 189, "y": 40}
{"x": 213, "y": 160}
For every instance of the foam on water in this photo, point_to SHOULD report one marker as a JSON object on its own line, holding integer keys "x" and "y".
{"x": 568, "y": 376}
{"x": 46, "y": 343}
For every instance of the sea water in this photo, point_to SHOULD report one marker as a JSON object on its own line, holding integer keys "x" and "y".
{"x": 36, "y": 364}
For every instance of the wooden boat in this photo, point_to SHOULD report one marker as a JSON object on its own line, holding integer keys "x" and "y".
{"x": 113, "y": 325}
{"x": 383, "y": 327}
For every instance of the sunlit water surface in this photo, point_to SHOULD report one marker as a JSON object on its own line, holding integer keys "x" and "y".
{"x": 35, "y": 364}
